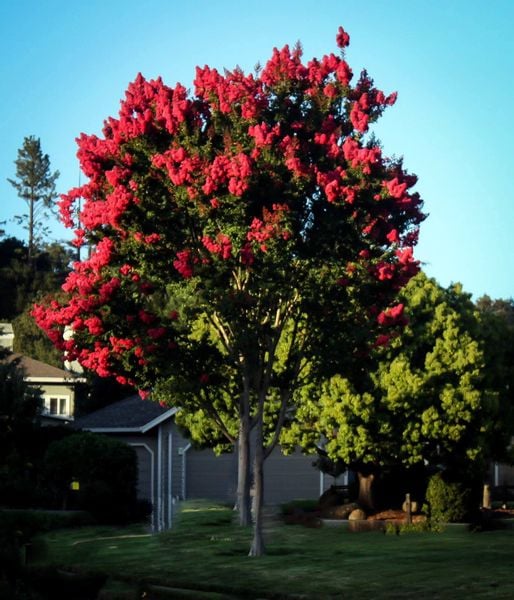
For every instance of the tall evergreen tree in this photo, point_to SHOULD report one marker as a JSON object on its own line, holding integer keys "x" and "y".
{"x": 35, "y": 184}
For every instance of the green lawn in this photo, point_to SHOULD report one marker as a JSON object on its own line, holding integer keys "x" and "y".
{"x": 206, "y": 551}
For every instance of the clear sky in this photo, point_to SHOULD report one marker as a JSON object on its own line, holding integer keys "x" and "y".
{"x": 65, "y": 64}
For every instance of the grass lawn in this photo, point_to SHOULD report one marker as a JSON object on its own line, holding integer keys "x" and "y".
{"x": 206, "y": 551}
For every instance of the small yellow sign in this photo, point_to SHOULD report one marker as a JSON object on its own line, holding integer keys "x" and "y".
{"x": 75, "y": 485}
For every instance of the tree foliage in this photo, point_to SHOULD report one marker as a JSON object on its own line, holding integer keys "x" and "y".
{"x": 20, "y": 406}
{"x": 105, "y": 468}
{"x": 23, "y": 283}
{"x": 35, "y": 184}
{"x": 427, "y": 401}
{"x": 241, "y": 232}
{"x": 497, "y": 332}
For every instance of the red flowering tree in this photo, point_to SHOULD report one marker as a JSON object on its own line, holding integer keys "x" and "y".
{"x": 240, "y": 232}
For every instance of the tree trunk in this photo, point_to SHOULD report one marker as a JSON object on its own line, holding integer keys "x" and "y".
{"x": 257, "y": 548}
{"x": 365, "y": 499}
{"x": 243, "y": 472}
{"x": 31, "y": 231}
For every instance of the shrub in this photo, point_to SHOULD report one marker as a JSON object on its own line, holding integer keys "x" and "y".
{"x": 17, "y": 527}
{"x": 447, "y": 501}
{"x": 403, "y": 528}
{"x": 299, "y": 505}
{"x": 106, "y": 470}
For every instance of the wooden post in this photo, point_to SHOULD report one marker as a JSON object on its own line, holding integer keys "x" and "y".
{"x": 486, "y": 496}
{"x": 408, "y": 508}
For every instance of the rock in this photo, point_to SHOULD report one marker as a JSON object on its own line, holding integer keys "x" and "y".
{"x": 334, "y": 496}
{"x": 413, "y": 507}
{"x": 339, "y": 512}
{"x": 357, "y": 515}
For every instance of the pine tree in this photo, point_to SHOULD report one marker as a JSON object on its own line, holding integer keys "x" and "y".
{"x": 35, "y": 184}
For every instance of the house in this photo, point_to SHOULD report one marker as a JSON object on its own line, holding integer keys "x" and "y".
{"x": 171, "y": 469}
{"x": 58, "y": 388}
{"x": 6, "y": 336}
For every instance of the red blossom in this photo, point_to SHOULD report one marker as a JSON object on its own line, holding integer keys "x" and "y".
{"x": 342, "y": 38}
{"x": 94, "y": 325}
{"x": 157, "y": 332}
{"x": 392, "y": 316}
{"x": 395, "y": 188}
{"x": 183, "y": 263}
{"x": 359, "y": 118}
{"x": 222, "y": 246}
{"x": 382, "y": 340}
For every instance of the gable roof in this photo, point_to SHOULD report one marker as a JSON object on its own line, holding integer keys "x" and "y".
{"x": 131, "y": 415}
{"x": 35, "y": 370}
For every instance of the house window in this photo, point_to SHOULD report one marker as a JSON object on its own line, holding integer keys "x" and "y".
{"x": 57, "y": 405}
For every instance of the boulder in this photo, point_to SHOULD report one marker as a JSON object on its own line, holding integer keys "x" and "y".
{"x": 342, "y": 511}
{"x": 413, "y": 506}
{"x": 334, "y": 496}
{"x": 357, "y": 515}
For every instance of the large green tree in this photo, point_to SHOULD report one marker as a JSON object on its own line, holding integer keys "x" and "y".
{"x": 427, "y": 402}
{"x": 35, "y": 184}
{"x": 497, "y": 332}
{"x": 244, "y": 233}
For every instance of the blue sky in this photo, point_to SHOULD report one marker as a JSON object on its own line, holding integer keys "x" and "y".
{"x": 66, "y": 64}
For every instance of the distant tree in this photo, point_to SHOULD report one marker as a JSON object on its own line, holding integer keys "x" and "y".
{"x": 497, "y": 332}
{"x": 426, "y": 402}
{"x": 22, "y": 283}
{"x": 20, "y": 406}
{"x": 35, "y": 184}
{"x": 29, "y": 340}
{"x": 14, "y": 276}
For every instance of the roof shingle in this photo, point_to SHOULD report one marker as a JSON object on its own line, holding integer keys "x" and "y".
{"x": 130, "y": 413}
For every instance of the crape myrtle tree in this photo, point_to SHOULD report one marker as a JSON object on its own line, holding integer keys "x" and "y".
{"x": 428, "y": 401}
{"x": 241, "y": 231}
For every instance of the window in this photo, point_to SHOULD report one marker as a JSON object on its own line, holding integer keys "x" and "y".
{"x": 57, "y": 405}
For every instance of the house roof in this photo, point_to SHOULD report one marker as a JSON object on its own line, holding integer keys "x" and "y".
{"x": 129, "y": 415}
{"x": 35, "y": 370}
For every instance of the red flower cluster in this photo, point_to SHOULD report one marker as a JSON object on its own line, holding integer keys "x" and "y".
{"x": 222, "y": 246}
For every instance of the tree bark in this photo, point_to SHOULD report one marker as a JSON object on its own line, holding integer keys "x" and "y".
{"x": 31, "y": 231}
{"x": 365, "y": 499}
{"x": 257, "y": 548}
{"x": 243, "y": 472}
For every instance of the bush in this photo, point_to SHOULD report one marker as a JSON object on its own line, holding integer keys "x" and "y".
{"x": 448, "y": 502}
{"x": 299, "y": 506}
{"x": 106, "y": 472}
{"x": 403, "y": 528}
{"x": 17, "y": 527}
